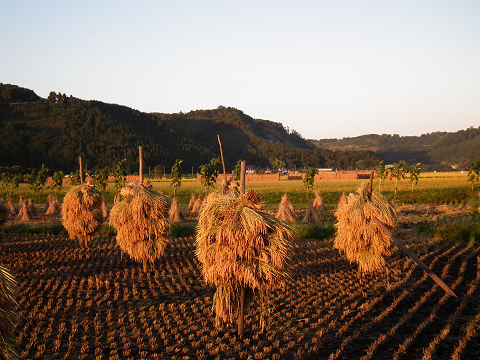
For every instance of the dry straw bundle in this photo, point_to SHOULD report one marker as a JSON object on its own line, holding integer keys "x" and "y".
{"x": 82, "y": 214}
{"x": 242, "y": 250}
{"x": 53, "y": 205}
{"x": 21, "y": 200}
{"x": 11, "y": 208}
{"x": 318, "y": 202}
{"x": 311, "y": 214}
{"x": 357, "y": 234}
{"x": 23, "y": 214}
{"x": 285, "y": 210}
{"x": 32, "y": 210}
{"x": 141, "y": 222}
{"x": 198, "y": 205}
{"x": 191, "y": 203}
{"x": 176, "y": 214}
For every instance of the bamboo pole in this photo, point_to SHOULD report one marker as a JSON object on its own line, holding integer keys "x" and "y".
{"x": 81, "y": 170}
{"x": 140, "y": 160}
{"x": 221, "y": 155}
{"x": 414, "y": 257}
{"x": 241, "y": 312}
{"x": 242, "y": 176}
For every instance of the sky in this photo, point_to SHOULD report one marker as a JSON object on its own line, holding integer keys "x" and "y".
{"x": 328, "y": 69}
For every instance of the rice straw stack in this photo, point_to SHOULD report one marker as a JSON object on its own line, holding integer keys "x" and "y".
{"x": 82, "y": 214}
{"x": 357, "y": 235}
{"x": 311, "y": 214}
{"x": 11, "y": 208}
{"x": 198, "y": 205}
{"x": 142, "y": 224}
{"x": 175, "y": 213}
{"x": 318, "y": 202}
{"x": 32, "y": 209}
{"x": 285, "y": 210}
{"x": 242, "y": 250}
{"x": 192, "y": 201}
{"x": 53, "y": 206}
{"x": 21, "y": 200}
{"x": 105, "y": 209}
{"x": 23, "y": 214}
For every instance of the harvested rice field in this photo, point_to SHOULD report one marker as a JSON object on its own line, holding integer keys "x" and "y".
{"x": 97, "y": 303}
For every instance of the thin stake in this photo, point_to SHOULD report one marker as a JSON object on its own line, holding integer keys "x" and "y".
{"x": 414, "y": 257}
{"x": 81, "y": 170}
{"x": 221, "y": 155}
{"x": 372, "y": 173}
{"x": 241, "y": 312}
{"x": 140, "y": 159}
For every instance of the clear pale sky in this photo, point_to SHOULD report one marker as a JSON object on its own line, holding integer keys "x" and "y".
{"x": 328, "y": 69}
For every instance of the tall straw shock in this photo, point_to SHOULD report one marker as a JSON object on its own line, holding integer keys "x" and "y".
{"x": 240, "y": 247}
{"x": 364, "y": 220}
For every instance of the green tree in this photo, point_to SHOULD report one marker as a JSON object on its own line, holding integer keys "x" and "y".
{"x": 209, "y": 173}
{"x": 398, "y": 172}
{"x": 474, "y": 173}
{"x": 120, "y": 174}
{"x": 309, "y": 179}
{"x": 100, "y": 178}
{"x": 36, "y": 180}
{"x": 10, "y": 182}
{"x": 237, "y": 170}
{"x": 277, "y": 164}
{"x": 75, "y": 178}
{"x": 415, "y": 174}
{"x": 176, "y": 176}
{"x": 381, "y": 174}
{"x": 57, "y": 183}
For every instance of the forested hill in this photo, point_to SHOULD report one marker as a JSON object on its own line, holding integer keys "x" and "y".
{"x": 455, "y": 148}
{"x": 55, "y": 131}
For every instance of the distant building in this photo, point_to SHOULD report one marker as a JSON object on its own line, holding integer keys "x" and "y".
{"x": 250, "y": 169}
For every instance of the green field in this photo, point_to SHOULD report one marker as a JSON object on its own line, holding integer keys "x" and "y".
{"x": 432, "y": 188}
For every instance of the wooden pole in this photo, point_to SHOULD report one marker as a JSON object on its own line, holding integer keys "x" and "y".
{"x": 241, "y": 312}
{"x": 372, "y": 173}
{"x": 140, "y": 160}
{"x": 81, "y": 170}
{"x": 414, "y": 257}
{"x": 242, "y": 176}
{"x": 221, "y": 155}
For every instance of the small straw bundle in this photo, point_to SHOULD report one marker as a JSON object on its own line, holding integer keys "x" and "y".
{"x": 175, "y": 213}
{"x": 32, "y": 210}
{"x": 82, "y": 214}
{"x": 311, "y": 214}
{"x": 242, "y": 249}
{"x": 141, "y": 222}
{"x": 21, "y": 200}
{"x": 191, "y": 203}
{"x": 23, "y": 214}
{"x": 53, "y": 206}
{"x": 197, "y": 207}
{"x": 11, "y": 208}
{"x": 285, "y": 210}
{"x": 105, "y": 209}
{"x": 318, "y": 202}
{"x": 357, "y": 235}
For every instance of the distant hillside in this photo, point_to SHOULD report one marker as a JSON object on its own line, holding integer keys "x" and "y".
{"x": 432, "y": 148}
{"x": 57, "y": 130}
